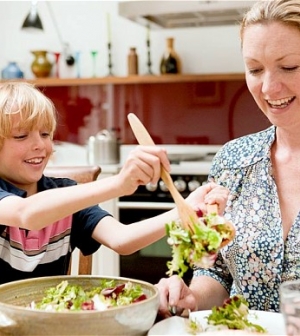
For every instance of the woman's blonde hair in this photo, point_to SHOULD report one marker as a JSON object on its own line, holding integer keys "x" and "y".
{"x": 284, "y": 11}
{"x": 34, "y": 108}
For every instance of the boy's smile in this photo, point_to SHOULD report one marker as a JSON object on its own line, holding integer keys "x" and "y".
{"x": 24, "y": 156}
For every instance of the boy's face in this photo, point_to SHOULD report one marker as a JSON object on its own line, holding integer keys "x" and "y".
{"x": 24, "y": 155}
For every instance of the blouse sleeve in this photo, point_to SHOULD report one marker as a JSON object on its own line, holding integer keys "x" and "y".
{"x": 219, "y": 272}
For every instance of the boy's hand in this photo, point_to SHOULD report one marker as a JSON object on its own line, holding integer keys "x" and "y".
{"x": 143, "y": 166}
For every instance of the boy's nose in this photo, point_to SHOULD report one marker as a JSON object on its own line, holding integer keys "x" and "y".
{"x": 37, "y": 142}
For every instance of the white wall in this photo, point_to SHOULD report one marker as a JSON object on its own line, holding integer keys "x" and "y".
{"x": 83, "y": 24}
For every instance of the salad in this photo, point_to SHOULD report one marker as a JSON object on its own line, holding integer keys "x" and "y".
{"x": 200, "y": 246}
{"x": 233, "y": 315}
{"x": 66, "y": 297}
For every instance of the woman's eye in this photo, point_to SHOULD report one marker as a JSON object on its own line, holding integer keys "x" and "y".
{"x": 254, "y": 71}
{"x": 290, "y": 69}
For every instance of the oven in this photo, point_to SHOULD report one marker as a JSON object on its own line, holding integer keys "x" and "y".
{"x": 149, "y": 264}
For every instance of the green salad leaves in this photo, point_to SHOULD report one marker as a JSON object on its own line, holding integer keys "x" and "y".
{"x": 233, "y": 315}
{"x": 199, "y": 247}
{"x": 67, "y": 297}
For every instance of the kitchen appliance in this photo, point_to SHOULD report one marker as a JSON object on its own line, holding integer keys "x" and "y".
{"x": 179, "y": 14}
{"x": 190, "y": 165}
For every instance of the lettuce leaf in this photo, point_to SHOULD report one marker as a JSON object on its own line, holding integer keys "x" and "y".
{"x": 234, "y": 315}
{"x": 199, "y": 247}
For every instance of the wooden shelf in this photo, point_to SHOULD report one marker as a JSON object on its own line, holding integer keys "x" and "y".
{"x": 139, "y": 79}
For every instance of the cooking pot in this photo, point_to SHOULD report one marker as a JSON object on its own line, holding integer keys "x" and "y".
{"x": 17, "y": 319}
{"x": 104, "y": 148}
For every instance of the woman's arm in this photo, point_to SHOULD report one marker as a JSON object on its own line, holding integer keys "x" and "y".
{"x": 208, "y": 292}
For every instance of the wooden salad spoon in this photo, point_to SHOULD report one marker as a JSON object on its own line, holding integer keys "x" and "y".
{"x": 186, "y": 213}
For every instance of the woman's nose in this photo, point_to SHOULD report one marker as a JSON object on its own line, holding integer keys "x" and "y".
{"x": 271, "y": 84}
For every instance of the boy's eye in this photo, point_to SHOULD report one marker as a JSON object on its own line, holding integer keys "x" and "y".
{"x": 45, "y": 134}
{"x": 19, "y": 136}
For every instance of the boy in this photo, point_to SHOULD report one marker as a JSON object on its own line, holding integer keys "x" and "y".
{"x": 43, "y": 219}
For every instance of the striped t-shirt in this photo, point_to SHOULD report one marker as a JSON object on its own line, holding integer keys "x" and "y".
{"x": 28, "y": 254}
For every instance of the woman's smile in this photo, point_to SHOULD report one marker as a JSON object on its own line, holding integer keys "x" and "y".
{"x": 280, "y": 103}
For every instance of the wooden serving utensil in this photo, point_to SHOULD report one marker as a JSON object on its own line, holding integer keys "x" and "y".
{"x": 186, "y": 213}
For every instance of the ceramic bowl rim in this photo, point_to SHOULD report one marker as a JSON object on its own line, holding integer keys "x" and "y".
{"x": 66, "y": 277}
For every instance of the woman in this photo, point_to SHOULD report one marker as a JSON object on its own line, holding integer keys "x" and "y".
{"x": 262, "y": 173}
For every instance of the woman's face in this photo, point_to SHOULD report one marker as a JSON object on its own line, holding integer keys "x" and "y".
{"x": 24, "y": 155}
{"x": 271, "y": 55}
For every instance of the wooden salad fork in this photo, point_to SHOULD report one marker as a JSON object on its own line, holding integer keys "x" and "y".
{"x": 186, "y": 213}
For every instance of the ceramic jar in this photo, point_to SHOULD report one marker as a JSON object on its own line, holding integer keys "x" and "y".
{"x": 11, "y": 71}
{"x": 41, "y": 66}
{"x": 133, "y": 66}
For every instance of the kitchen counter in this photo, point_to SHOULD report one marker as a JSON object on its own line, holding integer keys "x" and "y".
{"x": 70, "y": 154}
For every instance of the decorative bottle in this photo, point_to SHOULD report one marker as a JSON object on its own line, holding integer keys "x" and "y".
{"x": 170, "y": 62}
{"x": 11, "y": 71}
{"x": 133, "y": 64}
{"x": 41, "y": 66}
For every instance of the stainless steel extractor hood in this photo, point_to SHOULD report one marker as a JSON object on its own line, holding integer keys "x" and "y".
{"x": 179, "y": 14}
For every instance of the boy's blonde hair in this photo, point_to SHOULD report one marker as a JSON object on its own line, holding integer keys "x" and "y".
{"x": 35, "y": 109}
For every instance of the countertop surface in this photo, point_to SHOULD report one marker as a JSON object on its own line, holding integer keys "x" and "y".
{"x": 69, "y": 154}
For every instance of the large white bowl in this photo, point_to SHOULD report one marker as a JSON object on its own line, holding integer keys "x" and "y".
{"x": 17, "y": 320}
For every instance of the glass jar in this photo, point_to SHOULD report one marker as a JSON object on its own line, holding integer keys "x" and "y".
{"x": 170, "y": 62}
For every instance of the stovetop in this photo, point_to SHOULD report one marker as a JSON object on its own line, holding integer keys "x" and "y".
{"x": 185, "y": 159}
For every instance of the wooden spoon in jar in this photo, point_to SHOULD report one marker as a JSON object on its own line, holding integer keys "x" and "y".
{"x": 186, "y": 213}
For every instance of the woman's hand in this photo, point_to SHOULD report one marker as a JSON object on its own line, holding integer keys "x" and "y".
{"x": 210, "y": 193}
{"x": 142, "y": 166}
{"x": 173, "y": 292}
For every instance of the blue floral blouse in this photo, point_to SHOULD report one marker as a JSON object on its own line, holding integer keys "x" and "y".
{"x": 258, "y": 260}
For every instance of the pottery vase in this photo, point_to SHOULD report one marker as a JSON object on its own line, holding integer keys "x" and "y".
{"x": 11, "y": 71}
{"x": 41, "y": 66}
